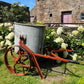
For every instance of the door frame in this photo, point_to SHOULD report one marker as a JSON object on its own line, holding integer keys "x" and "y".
{"x": 62, "y": 14}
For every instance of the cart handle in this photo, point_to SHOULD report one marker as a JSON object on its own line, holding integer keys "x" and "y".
{"x": 72, "y": 61}
{"x": 75, "y": 51}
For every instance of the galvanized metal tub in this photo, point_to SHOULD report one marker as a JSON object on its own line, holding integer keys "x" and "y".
{"x": 34, "y": 35}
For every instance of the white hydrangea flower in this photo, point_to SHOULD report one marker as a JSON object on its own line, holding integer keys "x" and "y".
{"x": 8, "y": 43}
{"x": 70, "y": 35}
{"x": 75, "y": 32}
{"x": 10, "y": 36}
{"x": 59, "y": 30}
{"x": 80, "y": 28}
{"x": 64, "y": 45}
{"x": 82, "y": 44}
{"x": 1, "y": 25}
{"x": 65, "y": 54}
{"x": 9, "y": 24}
{"x": 59, "y": 40}
{"x": 74, "y": 57}
{"x": 1, "y": 37}
{"x": 5, "y": 24}
{"x": 2, "y": 43}
{"x": 52, "y": 30}
{"x": 47, "y": 37}
{"x": 2, "y": 32}
{"x": 52, "y": 33}
{"x": 11, "y": 28}
{"x": 6, "y": 37}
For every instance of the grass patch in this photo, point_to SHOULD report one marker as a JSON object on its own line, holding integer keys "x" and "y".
{"x": 54, "y": 74}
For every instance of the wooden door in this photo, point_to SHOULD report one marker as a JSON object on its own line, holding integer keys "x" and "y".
{"x": 67, "y": 17}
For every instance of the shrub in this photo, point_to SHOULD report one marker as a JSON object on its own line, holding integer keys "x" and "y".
{"x": 15, "y": 13}
{"x": 66, "y": 40}
{"x": 6, "y": 35}
{"x": 49, "y": 37}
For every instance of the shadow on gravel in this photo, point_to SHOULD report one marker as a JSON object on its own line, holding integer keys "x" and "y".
{"x": 48, "y": 66}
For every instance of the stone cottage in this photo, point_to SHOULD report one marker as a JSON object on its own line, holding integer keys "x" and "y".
{"x": 58, "y": 11}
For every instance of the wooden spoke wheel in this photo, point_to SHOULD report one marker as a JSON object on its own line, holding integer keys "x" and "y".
{"x": 17, "y": 60}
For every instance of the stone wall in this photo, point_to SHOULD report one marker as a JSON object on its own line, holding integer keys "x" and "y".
{"x": 33, "y": 12}
{"x": 50, "y": 11}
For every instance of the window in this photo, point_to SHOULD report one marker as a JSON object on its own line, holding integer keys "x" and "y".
{"x": 82, "y": 16}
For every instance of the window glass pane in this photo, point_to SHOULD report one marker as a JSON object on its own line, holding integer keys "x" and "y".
{"x": 82, "y": 16}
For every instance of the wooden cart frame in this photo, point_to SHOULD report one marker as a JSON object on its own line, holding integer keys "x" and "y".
{"x": 24, "y": 51}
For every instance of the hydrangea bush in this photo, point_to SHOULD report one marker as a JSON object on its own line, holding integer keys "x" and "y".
{"x": 6, "y": 35}
{"x": 78, "y": 40}
{"x": 49, "y": 37}
{"x": 66, "y": 40}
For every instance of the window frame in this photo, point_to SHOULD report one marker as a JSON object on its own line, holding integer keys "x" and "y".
{"x": 82, "y": 16}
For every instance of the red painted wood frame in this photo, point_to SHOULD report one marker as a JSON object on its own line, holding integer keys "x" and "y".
{"x": 55, "y": 57}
